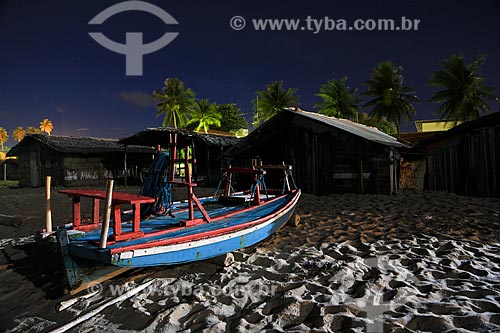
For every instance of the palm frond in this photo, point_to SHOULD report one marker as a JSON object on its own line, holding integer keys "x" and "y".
{"x": 174, "y": 102}
{"x": 463, "y": 93}
{"x": 338, "y": 100}
{"x": 390, "y": 99}
{"x": 273, "y": 100}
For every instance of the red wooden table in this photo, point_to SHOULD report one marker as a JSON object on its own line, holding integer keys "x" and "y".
{"x": 118, "y": 199}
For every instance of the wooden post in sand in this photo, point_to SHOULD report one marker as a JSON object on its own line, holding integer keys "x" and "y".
{"x": 107, "y": 215}
{"x": 391, "y": 170}
{"x": 48, "y": 211}
{"x": 125, "y": 166}
{"x": 361, "y": 178}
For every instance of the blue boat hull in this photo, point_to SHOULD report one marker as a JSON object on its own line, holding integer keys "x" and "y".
{"x": 192, "y": 252}
{"x": 165, "y": 243}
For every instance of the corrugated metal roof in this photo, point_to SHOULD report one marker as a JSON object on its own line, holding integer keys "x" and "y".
{"x": 414, "y": 138}
{"x": 366, "y": 132}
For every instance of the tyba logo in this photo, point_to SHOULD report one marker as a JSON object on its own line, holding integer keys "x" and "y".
{"x": 133, "y": 49}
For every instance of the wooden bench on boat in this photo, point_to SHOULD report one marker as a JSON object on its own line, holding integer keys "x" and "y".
{"x": 118, "y": 199}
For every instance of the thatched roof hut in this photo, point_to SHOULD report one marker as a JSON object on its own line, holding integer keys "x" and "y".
{"x": 76, "y": 161}
{"x": 208, "y": 149}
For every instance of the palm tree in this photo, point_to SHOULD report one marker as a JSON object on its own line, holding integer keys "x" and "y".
{"x": 273, "y": 100}
{"x": 4, "y": 136}
{"x": 174, "y": 101}
{"x": 204, "y": 114}
{"x": 464, "y": 96}
{"x": 33, "y": 130}
{"x": 19, "y": 133}
{"x": 46, "y": 126}
{"x": 338, "y": 100}
{"x": 390, "y": 99}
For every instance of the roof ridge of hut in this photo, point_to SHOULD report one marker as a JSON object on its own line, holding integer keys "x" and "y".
{"x": 343, "y": 119}
{"x": 77, "y": 144}
{"x": 38, "y": 135}
{"x": 154, "y": 135}
{"x": 173, "y": 129}
{"x": 346, "y": 122}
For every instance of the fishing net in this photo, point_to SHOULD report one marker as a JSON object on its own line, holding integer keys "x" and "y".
{"x": 156, "y": 185}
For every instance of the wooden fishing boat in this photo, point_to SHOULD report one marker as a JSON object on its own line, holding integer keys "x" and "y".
{"x": 179, "y": 232}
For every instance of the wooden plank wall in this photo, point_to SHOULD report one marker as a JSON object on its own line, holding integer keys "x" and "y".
{"x": 317, "y": 153}
{"x": 77, "y": 170}
{"x": 317, "y": 157}
{"x": 467, "y": 166}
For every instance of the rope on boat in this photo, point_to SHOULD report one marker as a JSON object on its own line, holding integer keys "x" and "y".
{"x": 253, "y": 188}
{"x": 156, "y": 185}
{"x": 223, "y": 181}
{"x": 289, "y": 173}
{"x": 288, "y": 176}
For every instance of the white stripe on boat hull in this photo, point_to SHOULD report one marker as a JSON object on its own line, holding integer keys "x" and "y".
{"x": 202, "y": 242}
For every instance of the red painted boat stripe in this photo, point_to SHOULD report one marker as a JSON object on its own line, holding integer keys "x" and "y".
{"x": 221, "y": 217}
{"x": 205, "y": 234}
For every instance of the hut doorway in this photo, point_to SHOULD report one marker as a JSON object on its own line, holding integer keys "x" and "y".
{"x": 34, "y": 177}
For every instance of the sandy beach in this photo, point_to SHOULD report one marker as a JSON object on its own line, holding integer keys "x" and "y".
{"x": 412, "y": 262}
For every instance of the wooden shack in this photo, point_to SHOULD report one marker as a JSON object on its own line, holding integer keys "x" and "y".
{"x": 465, "y": 159}
{"x": 9, "y": 169}
{"x": 328, "y": 155}
{"x": 77, "y": 161}
{"x": 207, "y": 149}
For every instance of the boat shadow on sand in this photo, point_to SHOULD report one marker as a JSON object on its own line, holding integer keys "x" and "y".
{"x": 38, "y": 267}
{"x": 34, "y": 286}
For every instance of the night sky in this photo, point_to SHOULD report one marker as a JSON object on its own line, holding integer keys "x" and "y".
{"x": 51, "y": 68}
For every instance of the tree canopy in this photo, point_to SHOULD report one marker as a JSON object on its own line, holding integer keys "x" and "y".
{"x": 273, "y": 100}
{"x": 4, "y": 136}
{"x": 46, "y": 126}
{"x": 33, "y": 130}
{"x": 338, "y": 100}
{"x": 174, "y": 102}
{"x": 390, "y": 99}
{"x": 388, "y": 102}
{"x": 203, "y": 115}
{"x": 19, "y": 133}
{"x": 382, "y": 123}
{"x": 231, "y": 118}
{"x": 464, "y": 95}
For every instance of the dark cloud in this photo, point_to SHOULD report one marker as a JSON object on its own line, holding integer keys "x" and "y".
{"x": 137, "y": 98}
